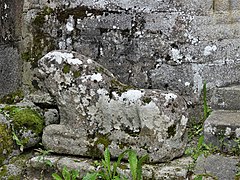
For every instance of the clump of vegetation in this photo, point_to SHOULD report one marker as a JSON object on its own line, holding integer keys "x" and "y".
{"x": 108, "y": 169}
{"x": 200, "y": 149}
{"x": 66, "y": 174}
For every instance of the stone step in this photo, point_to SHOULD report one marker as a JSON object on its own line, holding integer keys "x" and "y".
{"x": 176, "y": 169}
{"x": 222, "y": 129}
{"x": 225, "y": 167}
{"x": 227, "y": 98}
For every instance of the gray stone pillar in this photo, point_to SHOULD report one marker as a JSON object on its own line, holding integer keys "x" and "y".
{"x": 10, "y": 35}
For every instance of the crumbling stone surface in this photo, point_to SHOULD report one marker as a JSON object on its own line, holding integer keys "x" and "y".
{"x": 96, "y": 110}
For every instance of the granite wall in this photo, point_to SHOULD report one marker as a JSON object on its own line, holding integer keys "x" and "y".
{"x": 169, "y": 45}
{"x": 10, "y": 35}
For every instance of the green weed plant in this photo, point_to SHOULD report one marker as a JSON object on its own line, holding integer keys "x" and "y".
{"x": 109, "y": 170}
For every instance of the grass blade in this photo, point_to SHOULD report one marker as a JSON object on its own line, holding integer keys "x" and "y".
{"x": 66, "y": 174}
{"x": 133, "y": 162}
{"x": 56, "y": 176}
{"x": 139, "y": 166}
{"x": 107, "y": 163}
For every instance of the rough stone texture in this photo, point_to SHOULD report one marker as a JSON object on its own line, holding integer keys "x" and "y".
{"x": 51, "y": 116}
{"x": 227, "y": 98}
{"x": 10, "y": 21}
{"x": 95, "y": 109}
{"x": 221, "y": 128}
{"x": 170, "y": 45}
{"x": 218, "y": 166}
{"x": 10, "y": 70}
{"x": 177, "y": 169}
{"x": 10, "y": 34}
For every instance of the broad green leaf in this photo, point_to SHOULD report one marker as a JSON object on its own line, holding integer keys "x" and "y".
{"x": 56, "y": 176}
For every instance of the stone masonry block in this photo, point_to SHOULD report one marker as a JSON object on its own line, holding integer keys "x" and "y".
{"x": 222, "y": 129}
{"x": 227, "y": 98}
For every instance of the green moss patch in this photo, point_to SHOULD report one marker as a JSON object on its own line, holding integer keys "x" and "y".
{"x": 66, "y": 68}
{"x": 28, "y": 119}
{"x": 25, "y": 120}
{"x": 76, "y": 74}
{"x": 147, "y": 100}
{"x": 6, "y": 142}
{"x": 42, "y": 42}
{"x": 12, "y": 98}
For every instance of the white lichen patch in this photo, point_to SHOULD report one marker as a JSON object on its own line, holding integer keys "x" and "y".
{"x": 131, "y": 95}
{"x": 197, "y": 78}
{"x": 61, "y": 57}
{"x": 96, "y": 77}
{"x": 228, "y": 131}
{"x": 184, "y": 121}
{"x": 74, "y": 61}
{"x": 70, "y": 24}
{"x": 237, "y": 132}
{"x": 208, "y": 50}
{"x": 58, "y": 56}
{"x": 209, "y": 129}
{"x": 102, "y": 91}
{"x": 176, "y": 55}
{"x": 89, "y": 61}
{"x": 169, "y": 97}
{"x": 187, "y": 84}
{"x": 5, "y": 6}
{"x": 149, "y": 113}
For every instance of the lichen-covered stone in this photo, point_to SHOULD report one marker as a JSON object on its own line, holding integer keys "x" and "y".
{"x": 96, "y": 110}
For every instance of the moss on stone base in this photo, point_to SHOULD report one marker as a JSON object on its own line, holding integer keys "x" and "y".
{"x": 25, "y": 120}
{"x": 29, "y": 119}
{"x": 12, "y": 98}
{"x": 6, "y": 142}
